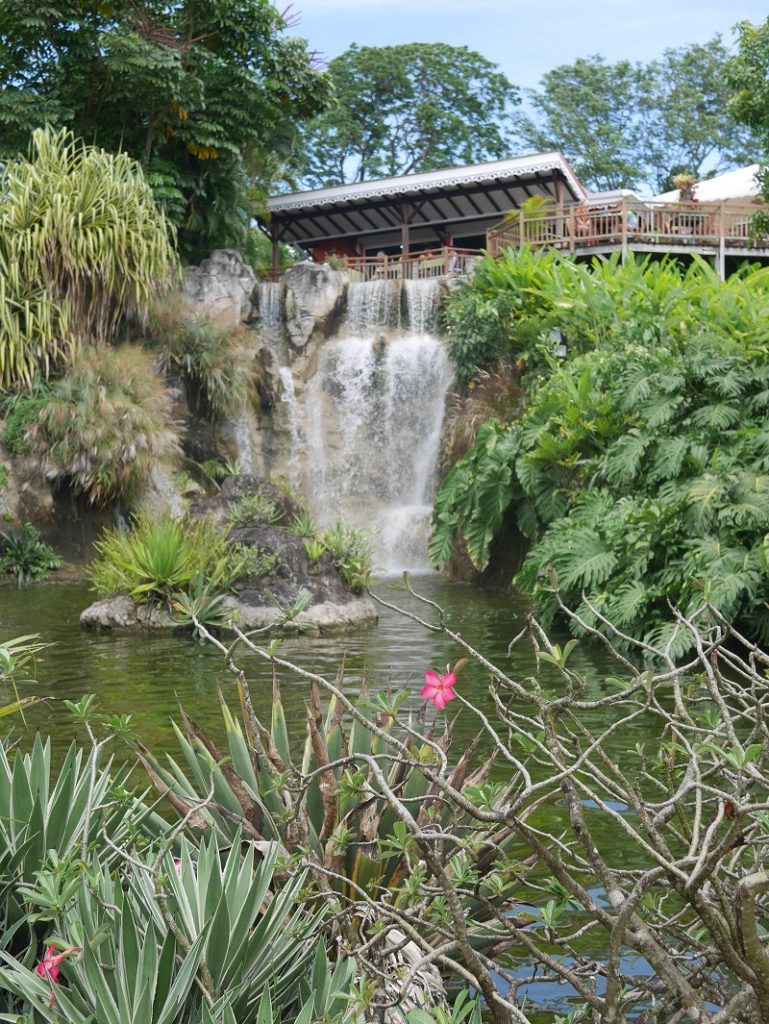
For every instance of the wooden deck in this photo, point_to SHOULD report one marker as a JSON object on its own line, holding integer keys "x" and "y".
{"x": 716, "y": 230}
{"x": 445, "y": 262}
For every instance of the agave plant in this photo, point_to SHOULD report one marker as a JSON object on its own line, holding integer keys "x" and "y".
{"x": 332, "y": 818}
{"x": 201, "y": 938}
{"x": 159, "y": 558}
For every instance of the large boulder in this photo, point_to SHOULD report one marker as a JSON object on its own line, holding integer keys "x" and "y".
{"x": 315, "y": 300}
{"x": 221, "y": 289}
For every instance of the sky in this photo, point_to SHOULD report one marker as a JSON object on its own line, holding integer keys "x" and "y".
{"x": 524, "y": 37}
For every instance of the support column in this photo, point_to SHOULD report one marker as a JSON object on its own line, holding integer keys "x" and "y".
{"x": 405, "y": 211}
{"x": 559, "y": 194}
{"x": 721, "y": 257}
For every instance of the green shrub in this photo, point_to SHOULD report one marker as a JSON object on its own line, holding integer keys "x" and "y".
{"x": 254, "y": 561}
{"x": 24, "y": 555}
{"x": 21, "y": 412}
{"x": 104, "y": 424}
{"x": 255, "y": 508}
{"x": 638, "y": 471}
{"x": 82, "y": 245}
{"x": 158, "y": 558}
{"x": 351, "y": 550}
{"x": 216, "y": 368}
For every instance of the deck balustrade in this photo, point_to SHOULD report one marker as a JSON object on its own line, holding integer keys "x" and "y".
{"x": 708, "y": 228}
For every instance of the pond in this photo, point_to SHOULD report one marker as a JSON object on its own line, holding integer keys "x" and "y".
{"x": 147, "y": 675}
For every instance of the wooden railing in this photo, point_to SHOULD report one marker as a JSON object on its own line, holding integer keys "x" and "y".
{"x": 429, "y": 263}
{"x": 631, "y": 223}
{"x": 443, "y": 262}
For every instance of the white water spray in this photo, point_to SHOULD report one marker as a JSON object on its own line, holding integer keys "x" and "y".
{"x": 373, "y": 419}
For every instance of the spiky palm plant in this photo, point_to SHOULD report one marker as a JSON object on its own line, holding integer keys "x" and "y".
{"x": 82, "y": 246}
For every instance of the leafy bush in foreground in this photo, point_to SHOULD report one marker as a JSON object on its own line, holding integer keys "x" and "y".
{"x": 510, "y": 307}
{"x": 104, "y": 424}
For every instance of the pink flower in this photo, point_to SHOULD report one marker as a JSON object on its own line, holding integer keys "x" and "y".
{"x": 439, "y": 689}
{"x": 49, "y": 965}
{"x": 177, "y": 865}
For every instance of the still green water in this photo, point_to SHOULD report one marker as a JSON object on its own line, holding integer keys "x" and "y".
{"x": 146, "y": 675}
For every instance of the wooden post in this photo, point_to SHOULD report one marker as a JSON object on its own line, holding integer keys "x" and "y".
{"x": 404, "y": 230}
{"x": 521, "y": 230}
{"x": 623, "y": 215}
{"x": 721, "y": 258}
{"x": 560, "y": 223}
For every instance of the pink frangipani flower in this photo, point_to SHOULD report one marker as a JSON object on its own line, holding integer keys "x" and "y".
{"x": 439, "y": 689}
{"x": 49, "y": 965}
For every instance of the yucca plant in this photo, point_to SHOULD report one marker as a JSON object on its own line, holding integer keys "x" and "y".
{"x": 82, "y": 246}
{"x": 104, "y": 424}
{"x": 202, "y": 937}
{"x": 159, "y": 558}
{"x": 332, "y": 818}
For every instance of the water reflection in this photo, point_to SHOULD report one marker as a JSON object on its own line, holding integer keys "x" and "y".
{"x": 146, "y": 675}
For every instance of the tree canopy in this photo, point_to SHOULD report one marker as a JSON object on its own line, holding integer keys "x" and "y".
{"x": 748, "y": 77}
{"x": 198, "y": 91}
{"x": 632, "y": 124}
{"x": 408, "y": 108}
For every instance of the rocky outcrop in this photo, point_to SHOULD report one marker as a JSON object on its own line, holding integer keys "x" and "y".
{"x": 286, "y": 573}
{"x": 121, "y": 612}
{"x": 221, "y": 288}
{"x": 314, "y": 302}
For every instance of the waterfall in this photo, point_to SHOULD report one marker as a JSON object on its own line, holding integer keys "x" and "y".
{"x": 294, "y": 417}
{"x": 373, "y": 419}
{"x": 423, "y": 300}
{"x": 372, "y": 305}
{"x": 244, "y": 448}
{"x": 270, "y": 312}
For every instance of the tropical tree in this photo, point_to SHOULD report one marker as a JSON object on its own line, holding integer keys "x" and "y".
{"x": 748, "y": 76}
{"x": 632, "y": 124}
{"x": 197, "y": 92}
{"x": 82, "y": 246}
{"x": 408, "y": 108}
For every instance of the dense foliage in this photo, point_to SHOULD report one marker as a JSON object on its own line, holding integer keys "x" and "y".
{"x": 639, "y": 469}
{"x": 25, "y": 555}
{"x": 630, "y": 124}
{"x": 213, "y": 361}
{"x": 748, "y": 79}
{"x": 408, "y": 108}
{"x": 205, "y": 95}
{"x": 104, "y": 425}
{"x": 157, "y": 559}
{"x": 82, "y": 247}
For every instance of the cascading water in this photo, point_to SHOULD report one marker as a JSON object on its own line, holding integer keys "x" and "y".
{"x": 270, "y": 312}
{"x": 296, "y": 433}
{"x": 373, "y": 418}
